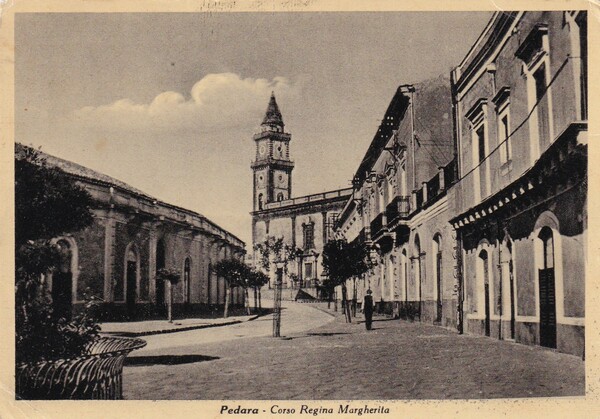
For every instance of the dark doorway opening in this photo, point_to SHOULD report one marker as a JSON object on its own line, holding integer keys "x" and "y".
{"x": 62, "y": 284}
{"x": 547, "y": 291}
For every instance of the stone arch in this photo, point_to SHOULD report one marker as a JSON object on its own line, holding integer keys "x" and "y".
{"x": 63, "y": 281}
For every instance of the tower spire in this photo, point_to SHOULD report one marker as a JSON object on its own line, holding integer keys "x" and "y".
{"x": 273, "y": 115}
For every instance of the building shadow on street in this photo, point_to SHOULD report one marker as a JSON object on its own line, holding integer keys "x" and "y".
{"x": 140, "y": 361}
{"x": 309, "y": 335}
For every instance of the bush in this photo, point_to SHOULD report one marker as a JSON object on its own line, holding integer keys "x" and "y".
{"x": 48, "y": 203}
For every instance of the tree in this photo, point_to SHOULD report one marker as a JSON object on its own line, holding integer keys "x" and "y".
{"x": 274, "y": 250}
{"x": 257, "y": 280}
{"x": 343, "y": 261}
{"x": 170, "y": 276}
{"x": 234, "y": 273}
{"x": 48, "y": 204}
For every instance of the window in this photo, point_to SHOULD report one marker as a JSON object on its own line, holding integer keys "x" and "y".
{"x": 308, "y": 273}
{"x": 534, "y": 53}
{"x": 260, "y": 201}
{"x": 280, "y": 196}
{"x": 309, "y": 235}
{"x": 501, "y": 100}
{"x": 480, "y": 134}
{"x": 541, "y": 99}
{"x": 547, "y": 247}
{"x": 477, "y": 116}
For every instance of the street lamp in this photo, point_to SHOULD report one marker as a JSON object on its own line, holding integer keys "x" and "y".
{"x": 277, "y": 302}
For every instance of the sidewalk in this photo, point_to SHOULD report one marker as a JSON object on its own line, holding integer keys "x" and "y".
{"x": 155, "y": 327}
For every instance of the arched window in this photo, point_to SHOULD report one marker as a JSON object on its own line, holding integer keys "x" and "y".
{"x": 547, "y": 247}
{"x": 186, "y": 280}
{"x": 280, "y": 196}
{"x": 260, "y": 201}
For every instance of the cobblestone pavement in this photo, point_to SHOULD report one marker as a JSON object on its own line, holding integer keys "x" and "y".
{"x": 396, "y": 360}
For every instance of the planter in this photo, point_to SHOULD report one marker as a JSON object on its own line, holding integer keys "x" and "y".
{"x": 97, "y": 374}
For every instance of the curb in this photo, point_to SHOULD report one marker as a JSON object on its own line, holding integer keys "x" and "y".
{"x": 180, "y": 329}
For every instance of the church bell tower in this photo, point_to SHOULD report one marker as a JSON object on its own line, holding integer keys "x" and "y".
{"x": 272, "y": 167}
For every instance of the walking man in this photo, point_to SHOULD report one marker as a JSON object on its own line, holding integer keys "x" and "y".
{"x": 368, "y": 309}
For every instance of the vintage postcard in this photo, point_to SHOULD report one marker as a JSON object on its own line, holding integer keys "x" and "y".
{"x": 298, "y": 208}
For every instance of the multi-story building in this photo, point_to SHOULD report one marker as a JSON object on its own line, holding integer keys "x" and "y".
{"x": 306, "y": 222}
{"x": 520, "y": 109}
{"x": 494, "y": 242}
{"x": 400, "y": 208}
{"x": 132, "y": 236}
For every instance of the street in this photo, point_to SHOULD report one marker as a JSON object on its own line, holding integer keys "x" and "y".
{"x": 321, "y": 357}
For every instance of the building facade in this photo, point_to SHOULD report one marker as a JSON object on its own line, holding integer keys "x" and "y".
{"x": 494, "y": 243}
{"x": 132, "y": 236}
{"x": 520, "y": 206}
{"x": 400, "y": 207}
{"x": 306, "y": 222}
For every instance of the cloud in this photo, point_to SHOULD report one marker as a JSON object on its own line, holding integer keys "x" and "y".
{"x": 216, "y": 101}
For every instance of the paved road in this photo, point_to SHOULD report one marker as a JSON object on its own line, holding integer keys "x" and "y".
{"x": 295, "y": 318}
{"x": 323, "y": 359}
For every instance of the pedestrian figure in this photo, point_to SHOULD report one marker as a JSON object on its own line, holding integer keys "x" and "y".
{"x": 368, "y": 309}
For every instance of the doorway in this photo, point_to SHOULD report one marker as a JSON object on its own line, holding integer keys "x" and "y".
{"x": 437, "y": 249}
{"x": 160, "y": 286}
{"x": 547, "y": 291}
{"x": 483, "y": 260}
{"x": 131, "y": 279}
{"x": 62, "y": 283}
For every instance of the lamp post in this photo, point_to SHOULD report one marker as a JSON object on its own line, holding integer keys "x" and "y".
{"x": 277, "y": 300}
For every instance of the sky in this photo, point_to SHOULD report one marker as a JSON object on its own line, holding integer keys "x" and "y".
{"x": 168, "y": 102}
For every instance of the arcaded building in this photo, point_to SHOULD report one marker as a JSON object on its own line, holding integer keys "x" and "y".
{"x": 133, "y": 236}
{"x": 521, "y": 202}
{"x": 305, "y": 222}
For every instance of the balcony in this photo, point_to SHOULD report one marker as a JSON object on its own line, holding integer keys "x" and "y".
{"x": 378, "y": 226}
{"x": 397, "y": 209}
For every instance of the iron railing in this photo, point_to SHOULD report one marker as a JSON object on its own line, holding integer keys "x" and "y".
{"x": 97, "y": 374}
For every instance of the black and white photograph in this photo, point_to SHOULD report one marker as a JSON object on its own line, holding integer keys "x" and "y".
{"x": 297, "y": 211}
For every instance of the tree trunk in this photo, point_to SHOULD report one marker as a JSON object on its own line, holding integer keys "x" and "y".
{"x": 227, "y": 298}
{"x": 255, "y": 299}
{"x": 345, "y": 303}
{"x": 354, "y": 297}
{"x": 335, "y": 304}
{"x": 259, "y": 300}
{"x": 246, "y": 301}
{"x": 170, "y": 302}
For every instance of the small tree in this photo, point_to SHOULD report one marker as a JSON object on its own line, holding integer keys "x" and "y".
{"x": 274, "y": 249}
{"x": 234, "y": 273}
{"x": 171, "y": 277}
{"x": 257, "y": 280}
{"x": 343, "y": 261}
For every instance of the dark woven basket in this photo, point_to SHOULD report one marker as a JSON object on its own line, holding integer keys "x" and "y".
{"x": 97, "y": 374}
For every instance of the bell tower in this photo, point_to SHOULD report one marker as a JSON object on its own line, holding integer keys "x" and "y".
{"x": 272, "y": 167}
